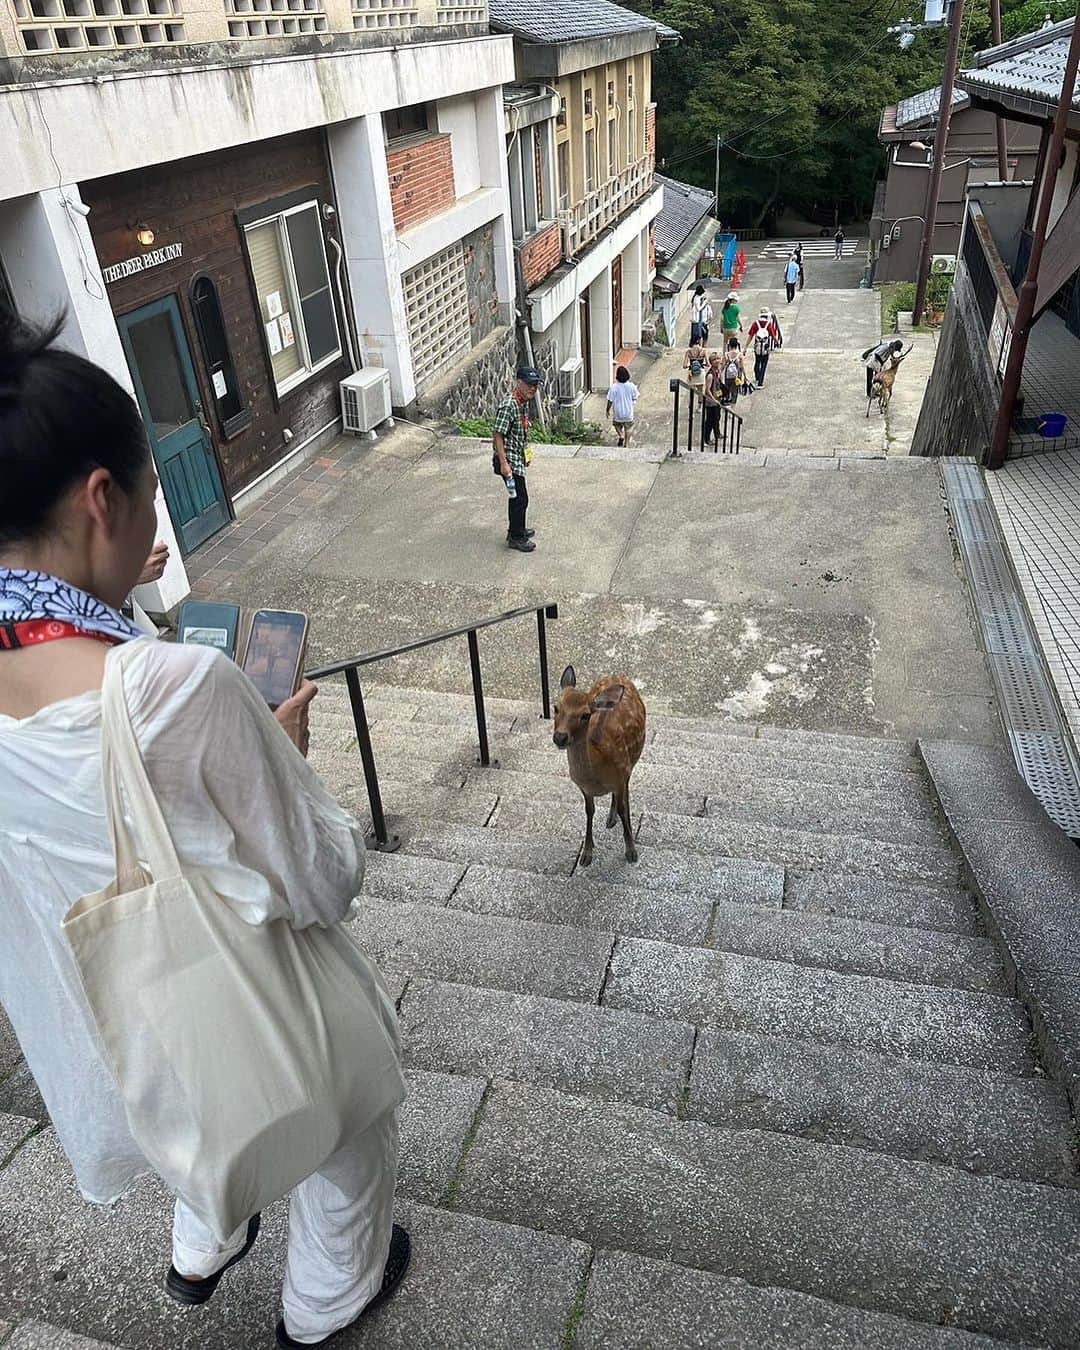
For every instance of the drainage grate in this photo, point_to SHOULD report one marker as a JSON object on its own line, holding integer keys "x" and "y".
{"x": 1041, "y": 748}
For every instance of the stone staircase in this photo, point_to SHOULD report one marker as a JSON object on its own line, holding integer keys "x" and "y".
{"x": 765, "y": 1090}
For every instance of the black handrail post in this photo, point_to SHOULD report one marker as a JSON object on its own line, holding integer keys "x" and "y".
{"x": 379, "y": 840}
{"x": 690, "y": 424}
{"x": 703, "y": 424}
{"x": 478, "y": 697}
{"x": 673, "y": 385}
{"x": 545, "y": 684}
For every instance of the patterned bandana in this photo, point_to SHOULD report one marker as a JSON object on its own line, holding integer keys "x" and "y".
{"x": 26, "y": 597}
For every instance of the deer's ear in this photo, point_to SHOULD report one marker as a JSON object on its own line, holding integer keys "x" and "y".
{"x": 608, "y": 698}
{"x": 569, "y": 678}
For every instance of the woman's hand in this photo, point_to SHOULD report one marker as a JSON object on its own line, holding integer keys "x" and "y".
{"x": 155, "y": 564}
{"x": 293, "y": 716}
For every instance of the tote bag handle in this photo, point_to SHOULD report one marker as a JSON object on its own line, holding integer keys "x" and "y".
{"x": 122, "y": 763}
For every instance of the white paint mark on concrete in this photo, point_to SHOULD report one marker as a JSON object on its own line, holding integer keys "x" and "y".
{"x": 641, "y": 621}
{"x": 751, "y": 632}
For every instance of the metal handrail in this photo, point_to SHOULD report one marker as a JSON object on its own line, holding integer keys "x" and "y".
{"x": 380, "y": 839}
{"x": 730, "y": 440}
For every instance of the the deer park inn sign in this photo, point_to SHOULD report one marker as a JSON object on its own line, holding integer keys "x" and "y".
{"x": 142, "y": 263}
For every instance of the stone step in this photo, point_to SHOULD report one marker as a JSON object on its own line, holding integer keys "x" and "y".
{"x": 596, "y": 1051}
{"x": 645, "y": 911}
{"x": 41, "y": 1336}
{"x": 770, "y": 760}
{"x": 636, "y": 1303}
{"x": 812, "y": 850}
{"x": 400, "y": 876}
{"x": 742, "y": 880}
{"x": 338, "y": 765}
{"x": 946, "y": 908}
{"x": 511, "y": 954}
{"x": 557, "y": 787}
{"x": 735, "y": 777}
{"x": 907, "y": 1238}
{"x": 14, "y": 1130}
{"x": 906, "y": 954}
{"x": 981, "y": 1121}
{"x": 472, "y": 1282}
{"x": 403, "y": 802}
{"x": 885, "y": 754}
{"x": 743, "y": 993}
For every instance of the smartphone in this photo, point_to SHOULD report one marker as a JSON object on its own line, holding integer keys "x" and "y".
{"x": 274, "y": 660}
{"x": 209, "y": 625}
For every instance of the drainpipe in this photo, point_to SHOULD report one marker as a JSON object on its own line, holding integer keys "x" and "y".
{"x": 941, "y": 145}
{"x": 524, "y": 330}
{"x": 999, "y": 122}
{"x": 1025, "y": 306}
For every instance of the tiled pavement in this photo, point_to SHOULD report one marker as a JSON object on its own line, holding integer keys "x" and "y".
{"x": 1037, "y": 499}
{"x": 231, "y": 549}
{"x": 1051, "y": 384}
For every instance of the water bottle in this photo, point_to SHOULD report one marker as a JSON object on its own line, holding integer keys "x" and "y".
{"x": 511, "y": 486}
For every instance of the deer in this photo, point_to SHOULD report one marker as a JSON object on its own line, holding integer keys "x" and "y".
{"x": 884, "y": 380}
{"x": 603, "y": 733}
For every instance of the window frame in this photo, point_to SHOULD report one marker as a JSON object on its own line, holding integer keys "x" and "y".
{"x": 403, "y": 137}
{"x": 242, "y": 419}
{"x": 278, "y": 218}
{"x": 588, "y": 103}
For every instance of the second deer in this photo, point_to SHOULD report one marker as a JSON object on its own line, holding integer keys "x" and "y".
{"x": 884, "y": 381}
{"x": 603, "y": 733}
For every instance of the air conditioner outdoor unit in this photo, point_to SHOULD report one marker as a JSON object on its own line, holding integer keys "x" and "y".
{"x": 571, "y": 379}
{"x": 365, "y": 401}
{"x": 943, "y": 263}
{"x": 574, "y": 410}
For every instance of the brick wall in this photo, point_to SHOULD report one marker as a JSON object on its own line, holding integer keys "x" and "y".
{"x": 421, "y": 180}
{"x": 540, "y": 255}
{"x": 650, "y": 134}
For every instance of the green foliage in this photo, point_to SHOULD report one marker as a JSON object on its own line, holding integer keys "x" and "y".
{"x": 795, "y": 89}
{"x": 938, "y": 290}
{"x": 1027, "y": 17}
{"x": 661, "y": 333}
{"x": 897, "y": 298}
{"x": 563, "y": 431}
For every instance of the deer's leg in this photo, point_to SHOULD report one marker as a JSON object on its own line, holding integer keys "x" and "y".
{"x": 587, "y": 851}
{"x": 627, "y": 829}
{"x": 613, "y": 811}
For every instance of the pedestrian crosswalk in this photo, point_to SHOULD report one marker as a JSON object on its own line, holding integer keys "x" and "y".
{"x": 812, "y": 248}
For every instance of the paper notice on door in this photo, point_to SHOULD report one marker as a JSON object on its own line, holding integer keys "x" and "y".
{"x": 220, "y": 387}
{"x": 285, "y": 329}
{"x": 273, "y": 304}
{"x": 273, "y": 337}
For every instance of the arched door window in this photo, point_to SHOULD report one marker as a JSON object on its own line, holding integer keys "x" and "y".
{"x": 232, "y": 416}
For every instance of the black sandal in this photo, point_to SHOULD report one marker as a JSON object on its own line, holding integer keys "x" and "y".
{"x": 397, "y": 1263}
{"x": 193, "y": 1292}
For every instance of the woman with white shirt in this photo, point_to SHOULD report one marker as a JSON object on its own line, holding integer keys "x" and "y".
{"x": 242, "y": 807}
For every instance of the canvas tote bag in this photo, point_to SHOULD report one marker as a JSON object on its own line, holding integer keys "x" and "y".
{"x": 245, "y": 1054}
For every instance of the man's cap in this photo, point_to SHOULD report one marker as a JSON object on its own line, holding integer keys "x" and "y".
{"x": 529, "y": 375}
{"x": 763, "y": 314}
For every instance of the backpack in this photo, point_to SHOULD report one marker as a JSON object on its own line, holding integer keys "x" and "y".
{"x": 762, "y": 342}
{"x": 696, "y": 367}
{"x": 731, "y": 370}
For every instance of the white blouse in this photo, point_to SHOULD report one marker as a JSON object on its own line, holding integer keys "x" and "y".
{"x": 242, "y": 806}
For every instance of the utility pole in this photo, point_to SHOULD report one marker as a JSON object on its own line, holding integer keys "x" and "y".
{"x": 1025, "y": 304}
{"x": 716, "y": 192}
{"x": 999, "y": 122}
{"x": 941, "y": 141}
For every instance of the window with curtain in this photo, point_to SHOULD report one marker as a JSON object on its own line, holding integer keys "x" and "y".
{"x": 296, "y": 303}
{"x": 590, "y": 161}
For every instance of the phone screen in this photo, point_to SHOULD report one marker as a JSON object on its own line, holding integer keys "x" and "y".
{"x": 273, "y": 653}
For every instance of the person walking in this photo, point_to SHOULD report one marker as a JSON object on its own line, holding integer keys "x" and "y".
{"x": 875, "y": 359}
{"x": 695, "y": 363}
{"x": 701, "y": 316}
{"x": 139, "y": 769}
{"x": 734, "y": 371}
{"x": 730, "y": 321}
{"x": 799, "y": 260}
{"x": 838, "y": 242}
{"x": 762, "y": 336}
{"x": 510, "y": 458}
{"x": 714, "y": 393}
{"x": 620, "y": 404}
{"x": 791, "y": 276}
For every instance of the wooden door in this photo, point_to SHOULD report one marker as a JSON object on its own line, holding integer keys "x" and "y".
{"x": 616, "y": 306}
{"x": 158, "y": 356}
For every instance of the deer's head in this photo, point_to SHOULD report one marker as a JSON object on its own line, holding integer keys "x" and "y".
{"x": 575, "y": 709}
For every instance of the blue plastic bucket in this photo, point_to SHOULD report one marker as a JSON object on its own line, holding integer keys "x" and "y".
{"x": 1053, "y": 424}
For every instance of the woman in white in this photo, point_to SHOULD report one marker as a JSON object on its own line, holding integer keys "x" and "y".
{"x": 241, "y": 804}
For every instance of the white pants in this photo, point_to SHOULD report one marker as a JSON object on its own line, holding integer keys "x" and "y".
{"x": 340, "y": 1221}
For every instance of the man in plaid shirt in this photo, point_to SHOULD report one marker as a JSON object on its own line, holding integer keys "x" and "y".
{"x": 510, "y": 437}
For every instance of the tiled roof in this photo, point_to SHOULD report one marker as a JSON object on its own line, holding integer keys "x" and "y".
{"x": 683, "y": 209}
{"x": 924, "y": 107}
{"x": 1032, "y": 66}
{"x": 549, "y": 21}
